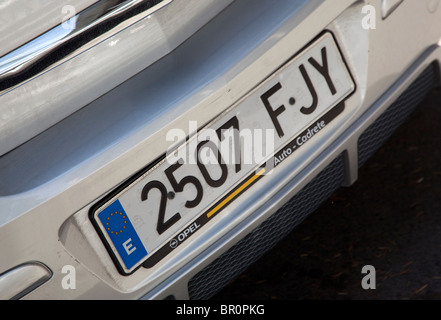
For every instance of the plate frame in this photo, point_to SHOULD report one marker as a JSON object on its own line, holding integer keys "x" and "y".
{"x": 125, "y": 184}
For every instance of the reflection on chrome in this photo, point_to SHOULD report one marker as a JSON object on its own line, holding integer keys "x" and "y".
{"x": 81, "y": 31}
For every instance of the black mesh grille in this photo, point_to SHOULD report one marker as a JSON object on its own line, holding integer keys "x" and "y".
{"x": 233, "y": 262}
{"x": 377, "y": 134}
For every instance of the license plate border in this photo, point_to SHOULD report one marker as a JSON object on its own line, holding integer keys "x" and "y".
{"x": 124, "y": 185}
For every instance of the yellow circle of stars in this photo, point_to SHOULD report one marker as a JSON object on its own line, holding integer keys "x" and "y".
{"x": 116, "y": 232}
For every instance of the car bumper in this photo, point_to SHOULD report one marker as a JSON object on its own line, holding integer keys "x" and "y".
{"x": 51, "y": 182}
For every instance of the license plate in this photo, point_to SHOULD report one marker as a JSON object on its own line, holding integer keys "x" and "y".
{"x": 168, "y": 204}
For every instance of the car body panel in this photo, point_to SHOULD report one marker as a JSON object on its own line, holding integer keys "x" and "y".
{"x": 38, "y": 103}
{"x": 49, "y": 184}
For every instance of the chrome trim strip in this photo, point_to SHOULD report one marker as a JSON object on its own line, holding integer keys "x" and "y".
{"x": 79, "y": 31}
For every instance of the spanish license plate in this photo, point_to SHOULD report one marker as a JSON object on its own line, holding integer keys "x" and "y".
{"x": 169, "y": 203}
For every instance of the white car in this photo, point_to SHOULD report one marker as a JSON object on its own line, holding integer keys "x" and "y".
{"x": 155, "y": 149}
